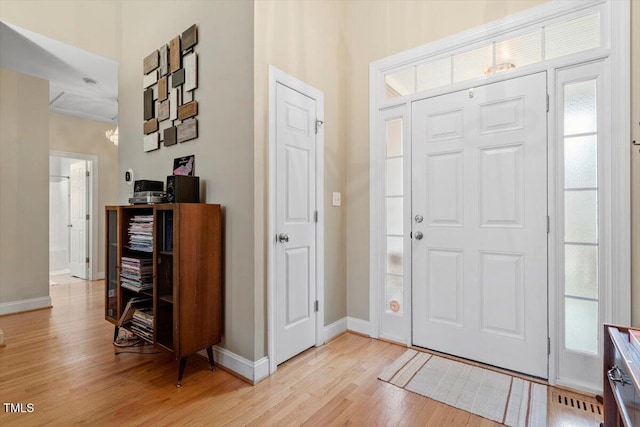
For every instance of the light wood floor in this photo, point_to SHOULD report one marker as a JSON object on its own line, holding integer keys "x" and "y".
{"x": 62, "y": 361}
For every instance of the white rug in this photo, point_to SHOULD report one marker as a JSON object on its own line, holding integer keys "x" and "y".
{"x": 498, "y": 397}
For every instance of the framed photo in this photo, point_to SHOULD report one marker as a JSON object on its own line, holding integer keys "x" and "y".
{"x": 184, "y": 165}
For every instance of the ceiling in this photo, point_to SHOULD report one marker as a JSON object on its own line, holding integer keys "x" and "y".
{"x": 81, "y": 83}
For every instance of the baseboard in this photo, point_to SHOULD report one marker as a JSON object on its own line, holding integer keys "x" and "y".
{"x": 25, "y": 305}
{"x": 359, "y": 326}
{"x": 57, "y": 272}
{"x": 99, "y": 275}
{"x": 253, "y": 372}
{"x": 333, "y": 330}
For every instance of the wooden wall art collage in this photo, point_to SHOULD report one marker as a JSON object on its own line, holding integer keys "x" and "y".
{"x": 169, "y": 82}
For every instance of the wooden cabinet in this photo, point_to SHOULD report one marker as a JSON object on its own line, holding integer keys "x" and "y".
{"x": 177, "y": 248}
{"x": 621, "y": 382}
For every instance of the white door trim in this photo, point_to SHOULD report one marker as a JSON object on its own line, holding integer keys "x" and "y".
{"x": 615, "y": 30}
{"x": 277, "y": 76}
{"x": 93, "y": 206}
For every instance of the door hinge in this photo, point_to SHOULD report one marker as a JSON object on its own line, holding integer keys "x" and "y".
{"x": 318, "y": 124}
{"x": 547, "y": 103}
{"x": 315, "y": 216}
{"x": 88, "y": 173}
{"x": 87, "y": 217}
{"x": 86, "y": 260}
{"x": 548, "y": 224}
{"x": 548, "y": 346}
{"x": 315, "y": 306}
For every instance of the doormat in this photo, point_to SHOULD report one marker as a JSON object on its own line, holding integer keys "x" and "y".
{"x": 499, "y": 397}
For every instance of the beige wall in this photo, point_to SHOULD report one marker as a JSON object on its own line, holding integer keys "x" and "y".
{"x": 635, "y": 163}
{"x": 24, "y": 168}
{"x": 91, "y": 25}
{"x": 375, "y": 30}
{"x": 224, "y": 147}
{"x": 305, "y": 40}
{"x": 74, "y": 135}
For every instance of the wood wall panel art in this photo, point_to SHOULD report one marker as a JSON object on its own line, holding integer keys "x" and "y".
{"x": 177, "y": 78}
{"x": 164, "y": 60}
{"x": 175, "y": 55}
{"x": 187, "y": 130}
{"x": 150, "y": 142}
{"x": 188, "y": 110}
{"x": 173, "y": 104}
{"x": 150, "y": 126}
{"x": 150, "y": 63}
{"x": 148, "y": 104}
{"x": 190, "y": 69}
{"x": 170, "y": 136}
{"x": 163, "y": 111}
{"x": 189, "y": 37}
{"x": 169, "y": 82}
{"x": 162, "y": 89}
{"x": 150, "y": 79}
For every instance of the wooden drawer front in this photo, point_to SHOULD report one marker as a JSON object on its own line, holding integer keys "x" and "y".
{"x": 625, "y": 392}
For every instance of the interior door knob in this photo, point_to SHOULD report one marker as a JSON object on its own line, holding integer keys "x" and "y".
{"x": 282, "y": 237}
{"x": 419, "y": 235}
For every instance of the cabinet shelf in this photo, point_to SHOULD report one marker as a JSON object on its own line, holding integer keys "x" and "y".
{"x": 167, "y": 298}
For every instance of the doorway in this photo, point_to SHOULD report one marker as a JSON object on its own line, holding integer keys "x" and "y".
{"x": 479, "y": 222}
{"x": 71, "y": 225}
{"x": 295, "y": 254}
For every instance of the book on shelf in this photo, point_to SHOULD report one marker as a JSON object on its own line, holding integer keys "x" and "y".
{"x": 130, "y": 309}
{"x": 141, "y": 233}
{"x": 142, "y": 323}
{"x": 136, "y": 274}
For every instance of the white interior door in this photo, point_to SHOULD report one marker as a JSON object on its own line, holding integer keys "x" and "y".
{"x": 479, "y": 221}
{"x": 295, "y": 252}
{"x": 78, "y": 242}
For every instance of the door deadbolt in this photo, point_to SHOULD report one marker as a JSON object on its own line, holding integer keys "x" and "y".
{"x": 419, "y": 218}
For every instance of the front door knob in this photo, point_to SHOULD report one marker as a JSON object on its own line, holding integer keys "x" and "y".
{"x": 282, "y": 237}
{"x": 419, "y": 235}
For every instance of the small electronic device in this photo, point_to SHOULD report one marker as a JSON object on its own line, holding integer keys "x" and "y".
{"x": 147, "y": 185}
{"x": 183, "y": 189}
{"x": 144, "y": 197}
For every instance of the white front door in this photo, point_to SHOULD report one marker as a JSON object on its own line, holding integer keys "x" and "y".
{"x": 78, "y": 246}
{"x": 295, "y": 223}
{"x": 479, "y": 223}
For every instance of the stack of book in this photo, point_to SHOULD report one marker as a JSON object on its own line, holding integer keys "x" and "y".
{"x": 141, "y": 233}
{"x": 136, "y": 273}
{"x": 133, "y": 304}
{"x": 142, "y": 323}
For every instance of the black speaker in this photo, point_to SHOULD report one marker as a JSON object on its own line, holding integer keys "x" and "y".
{"x": 183, "y": 189}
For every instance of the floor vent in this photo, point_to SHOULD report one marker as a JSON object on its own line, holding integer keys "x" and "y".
{"x": 578, "y": 404}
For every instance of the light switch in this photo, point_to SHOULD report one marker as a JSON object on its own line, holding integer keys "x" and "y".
{"x": 336, "y": 199}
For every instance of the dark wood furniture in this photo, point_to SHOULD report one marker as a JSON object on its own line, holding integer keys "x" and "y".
{"x": 187, "y": 275}
{"x": 621, "y": 382}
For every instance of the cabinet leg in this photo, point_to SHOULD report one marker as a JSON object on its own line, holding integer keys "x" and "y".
{"x": 183, "y": 363}
{"x": 210, "y": 354}
{"x": 115, "y": 333}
